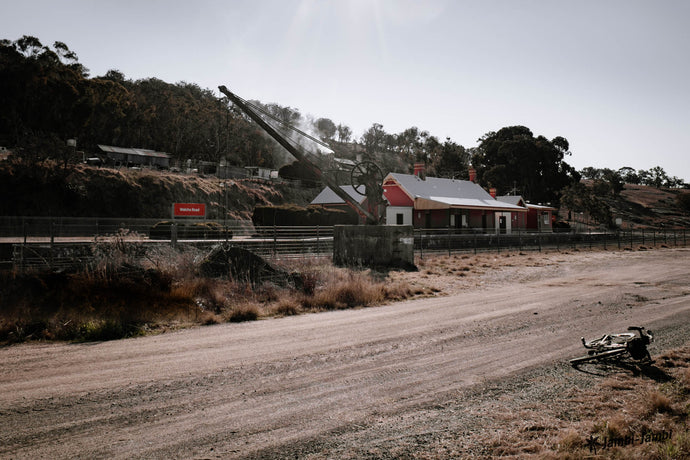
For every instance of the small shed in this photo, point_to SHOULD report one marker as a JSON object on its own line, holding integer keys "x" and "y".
{"x": 537, "y": 218}
{"x": 329, "y": 199}
{"x": 135, "y": 157}
{"x": 540, "y": 218}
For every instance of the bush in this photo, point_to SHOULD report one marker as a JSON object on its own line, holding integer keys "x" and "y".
{"x": 683, "y": 201}
{"x": 294, "y": 216}
{"x": 189, "y": 230}
{"x": 244, "y": 313}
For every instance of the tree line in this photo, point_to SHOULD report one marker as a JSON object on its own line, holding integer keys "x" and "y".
{"x": 653, "y": 177}
{"x": 48, "y": 97}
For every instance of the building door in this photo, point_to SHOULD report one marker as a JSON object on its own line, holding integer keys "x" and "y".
{"x": 502, "y": 223}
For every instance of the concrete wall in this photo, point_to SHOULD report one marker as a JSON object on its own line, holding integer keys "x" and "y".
{"x": 393, "y": 211}
{"x": 374, "y": 246}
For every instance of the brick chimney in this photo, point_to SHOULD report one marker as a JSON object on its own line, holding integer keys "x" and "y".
{"x": 473, "y": 174}
{"x": 419, "y": 170}
{"x": 492, "y": 192}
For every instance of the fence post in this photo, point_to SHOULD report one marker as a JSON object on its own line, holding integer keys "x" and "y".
{"x": 303, "y": 246}
{"x": 589, "y": 236}
{"x": 173, "y": 235}
{"x": 631, "y": 237}
{"x": 618, "y": 236}
{"x": 449, "y": 241}
{"x": 318, "y": 249}
{"x": 52, "y": 242}
{"x": 421, "y": 243}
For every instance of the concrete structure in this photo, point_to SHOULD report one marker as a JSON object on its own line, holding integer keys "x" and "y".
{"x": 374, "y": 246}
{"x": 135, "y": 157}
{"x": 430, "y": 202}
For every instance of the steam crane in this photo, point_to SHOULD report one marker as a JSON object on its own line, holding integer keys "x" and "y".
{"x": 366, "y": 176}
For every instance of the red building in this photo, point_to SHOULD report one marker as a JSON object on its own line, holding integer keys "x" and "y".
{"x": 431, "y": 202}
{"x": 538, "y": 218}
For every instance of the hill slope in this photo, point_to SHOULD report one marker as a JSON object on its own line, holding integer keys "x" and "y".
{"x": 45, "y": 189}
{"x": 644, "y": 206}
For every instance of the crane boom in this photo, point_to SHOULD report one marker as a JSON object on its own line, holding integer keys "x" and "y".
{"x": 294, "y": 151}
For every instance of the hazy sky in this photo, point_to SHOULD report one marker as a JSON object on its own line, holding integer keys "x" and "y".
{"x": 611, "y": 76}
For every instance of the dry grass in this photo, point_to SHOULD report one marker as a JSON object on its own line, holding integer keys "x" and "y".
{"x": 127, "y": 291}
{"x": 634, "y": 414}
{"x": 135, "y": 291}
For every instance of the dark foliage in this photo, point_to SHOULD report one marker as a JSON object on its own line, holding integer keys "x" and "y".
{"x": 291, "y": 215}
{"x": 512, "y": 158}
{"x": 48, "y": 98}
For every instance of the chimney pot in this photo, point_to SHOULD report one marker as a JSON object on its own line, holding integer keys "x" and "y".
{"x": 473, "y": 174}
{"x": 419, "y": 170}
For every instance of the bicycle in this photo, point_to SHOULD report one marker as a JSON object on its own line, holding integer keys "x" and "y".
{"x": 618, "y": 347}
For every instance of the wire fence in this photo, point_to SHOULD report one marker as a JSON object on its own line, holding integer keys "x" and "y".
{"x": 436, "y": 241}
{"x": 70, "y": 243}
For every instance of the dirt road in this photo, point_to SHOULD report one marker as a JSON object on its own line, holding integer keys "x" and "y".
{"x": 346, "y": 383}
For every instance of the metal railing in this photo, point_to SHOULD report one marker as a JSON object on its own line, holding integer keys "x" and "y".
{"x": 58, "y": 244}
{"x": 435, "y": 241}
{"x": 61, "y": 243}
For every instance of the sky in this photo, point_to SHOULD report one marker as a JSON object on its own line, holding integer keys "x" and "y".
{"x": 611, "y": 76}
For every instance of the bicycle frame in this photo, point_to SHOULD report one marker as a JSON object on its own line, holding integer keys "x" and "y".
{"x": 633, "y": 344}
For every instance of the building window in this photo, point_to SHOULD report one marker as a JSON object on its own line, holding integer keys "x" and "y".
{"x": 399, "y": 219}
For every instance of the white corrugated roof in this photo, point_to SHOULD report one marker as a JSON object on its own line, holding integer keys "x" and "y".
{"x": 512, "y": 199}
{"x": 131, "y": 151}
{"x": 451, "y": 192}
{"x": 328, "y": 196}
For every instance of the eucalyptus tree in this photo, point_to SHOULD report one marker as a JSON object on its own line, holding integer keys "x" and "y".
{"x": 513, "y": 158}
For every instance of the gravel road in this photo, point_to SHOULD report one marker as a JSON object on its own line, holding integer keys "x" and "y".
{"x": 381, "y": 382}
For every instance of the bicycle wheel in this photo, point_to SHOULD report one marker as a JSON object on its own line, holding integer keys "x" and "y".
{"x": 598, "y": 356}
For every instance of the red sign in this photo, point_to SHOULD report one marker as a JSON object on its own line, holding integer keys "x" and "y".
{"x": 189, "y": 210}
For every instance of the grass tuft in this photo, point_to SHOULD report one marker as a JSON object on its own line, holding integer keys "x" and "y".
{"x": 244, "y": 313}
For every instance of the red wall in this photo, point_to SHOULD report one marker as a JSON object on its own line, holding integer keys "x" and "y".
{"x": 395, "y": 195}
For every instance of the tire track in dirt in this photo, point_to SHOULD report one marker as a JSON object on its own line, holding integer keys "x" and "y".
{"x": 256, "y": 388}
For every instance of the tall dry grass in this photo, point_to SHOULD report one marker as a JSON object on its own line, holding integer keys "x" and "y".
{"x": 641, "y": 413}
{"x": 128, "y": 290}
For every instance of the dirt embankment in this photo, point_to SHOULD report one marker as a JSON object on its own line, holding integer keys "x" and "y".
{"x": 431, "y": 378}
{"x": 45, "y": 189}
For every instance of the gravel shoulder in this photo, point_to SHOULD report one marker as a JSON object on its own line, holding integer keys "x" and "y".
{"x": 421, "y": 378}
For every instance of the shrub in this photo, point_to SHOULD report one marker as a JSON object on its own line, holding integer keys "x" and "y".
{"x": 244, "y": 313}
{"x": 683, "y": 201}
{"x": 287, "y": 307}
{"x": 658, "y": 403}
